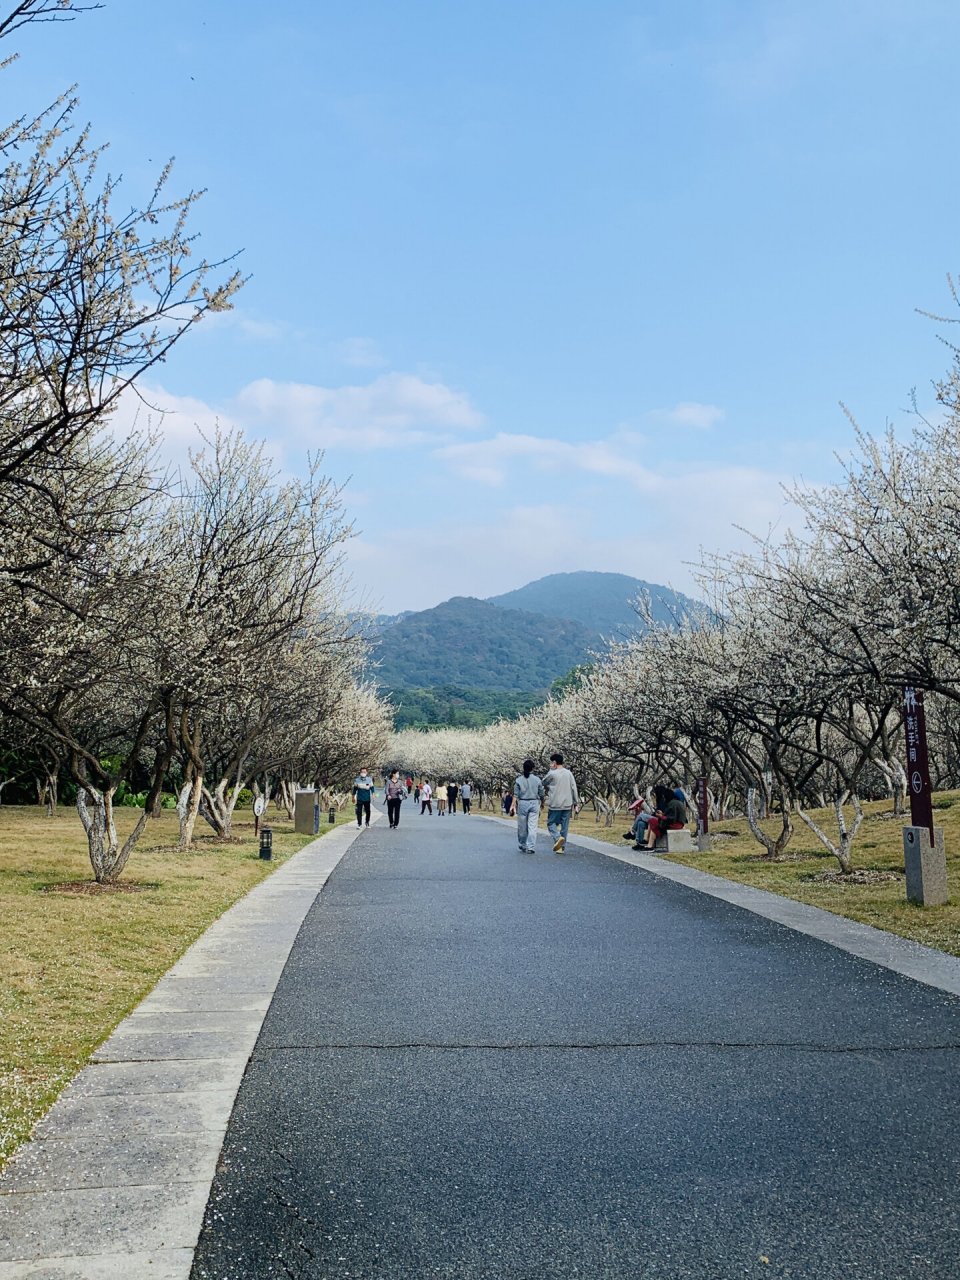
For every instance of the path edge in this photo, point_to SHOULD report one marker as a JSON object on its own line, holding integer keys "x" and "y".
{"x": 178, "y": 1059}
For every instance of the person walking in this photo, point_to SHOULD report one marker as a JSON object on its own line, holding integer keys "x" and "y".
{"x": 563, "y": 800}
{"x": 416, "y": 793}
{"x": 363, "y": 787}
{"x": 528, "y": 796}
{"x": 426, "y": 801}
{"x": 440, "y": 795}
{"x": 394, "y": 793}
{"x": 466, "y": 795}
{"x": 452, "y": 792}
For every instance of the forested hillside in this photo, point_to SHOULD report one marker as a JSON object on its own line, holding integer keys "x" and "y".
{"x": 473, "y": 644}
{"x": 461, "y": 708}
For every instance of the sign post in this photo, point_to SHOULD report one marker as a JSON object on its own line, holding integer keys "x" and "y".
{"x": 703, "y": 814}
{"x": 924, "y": 857}
{"x": 258, "y": 807}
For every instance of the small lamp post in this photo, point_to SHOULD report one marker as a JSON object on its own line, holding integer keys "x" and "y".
{"x": 266, "y": 843}
{"x": 332, "y": 816}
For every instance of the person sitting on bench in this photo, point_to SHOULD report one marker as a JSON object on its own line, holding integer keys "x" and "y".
{"x": 644, "y": 811}
{"x": 670, "y": 817}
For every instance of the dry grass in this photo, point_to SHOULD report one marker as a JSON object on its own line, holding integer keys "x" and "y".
{"x": 73, "y": 964}
{"x": 878, "y": 847}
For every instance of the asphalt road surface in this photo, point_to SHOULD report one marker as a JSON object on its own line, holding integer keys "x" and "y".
{"x": 480, "y": 1064}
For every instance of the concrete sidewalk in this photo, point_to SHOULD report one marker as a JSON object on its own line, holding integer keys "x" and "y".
{"x": 114, "y": 1183}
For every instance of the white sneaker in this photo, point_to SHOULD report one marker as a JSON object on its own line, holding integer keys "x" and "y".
{"x": 558, "y": 847}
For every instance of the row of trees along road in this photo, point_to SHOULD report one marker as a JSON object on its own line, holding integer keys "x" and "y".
{"x": 176, "y": 630}
{"x": 789, "y": 693}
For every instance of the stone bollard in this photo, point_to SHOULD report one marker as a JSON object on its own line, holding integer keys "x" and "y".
{"x": 304, "y": 813}
{"x": 926, "y": 866}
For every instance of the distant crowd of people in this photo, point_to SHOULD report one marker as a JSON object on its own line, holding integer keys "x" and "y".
{"x": 557, "y": 791}
{"x": 444, "y": 795}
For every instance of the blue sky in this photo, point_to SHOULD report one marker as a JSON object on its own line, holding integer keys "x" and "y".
{"x": 557, "y": 285}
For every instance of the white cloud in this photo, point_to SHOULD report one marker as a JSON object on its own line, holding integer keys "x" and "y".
{"x": 243, "y": 322}
{"x": 179, "y": 423}
{"x": 493, "y": 461}
{"x": 359, "y": 353}
{"x": 688, "y": 413}
{"x": 394, "y": 408}
{"x": 654, "y": 535}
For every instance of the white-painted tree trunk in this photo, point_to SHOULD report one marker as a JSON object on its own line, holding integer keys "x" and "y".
{"x": 774, "y": 847}
{"x": 842, "y": 850}
{"x": 188, "y": 806}
{"x": 107, "y": 856}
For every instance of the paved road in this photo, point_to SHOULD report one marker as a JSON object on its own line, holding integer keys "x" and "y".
{"x": 486, "y": 1066}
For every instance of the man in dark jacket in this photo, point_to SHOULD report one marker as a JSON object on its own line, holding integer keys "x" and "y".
{"x": 363, "y": 794}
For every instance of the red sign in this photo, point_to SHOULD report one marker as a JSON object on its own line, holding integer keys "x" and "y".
{"x": 918, "y": 763}
{"x": 703, "y": 805}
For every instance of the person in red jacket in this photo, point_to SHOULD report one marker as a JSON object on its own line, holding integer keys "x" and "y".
{"x": 672, "y": 817}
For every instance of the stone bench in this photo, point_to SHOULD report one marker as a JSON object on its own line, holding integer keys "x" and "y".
{"x": 676, "y": 842}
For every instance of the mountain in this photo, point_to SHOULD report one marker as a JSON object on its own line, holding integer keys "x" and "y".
{"x": 472, "y": 644}
{"x": 600, "y": 601}
{"x": 468, "y": 661}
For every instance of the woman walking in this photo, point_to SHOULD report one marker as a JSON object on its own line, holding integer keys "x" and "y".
{"x": 528, "y": 796}
{"x": 395, "y": 793}
{"x": 440, "y": 795}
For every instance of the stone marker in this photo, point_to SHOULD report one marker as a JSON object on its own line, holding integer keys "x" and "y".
{"x": 304, "y": 818}
{"x": 926, "y": 866}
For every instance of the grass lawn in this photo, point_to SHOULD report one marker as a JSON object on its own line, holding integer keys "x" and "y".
{"x": 73, "y": 965}
{"x": 878, "y": 847}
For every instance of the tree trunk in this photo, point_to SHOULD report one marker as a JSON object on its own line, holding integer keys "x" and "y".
{"x": 218, "y": 806}
{"x": 188, "y": 806}
{"x": 900, "y": 797}
{"x": 898, "y": 785}
{"x": 209, "y": 812}
{"x": 285, "y": 794}
{"x": 773, "y": 846}
{"x": 107, "y": 856}
{"x": 843, "y": 850}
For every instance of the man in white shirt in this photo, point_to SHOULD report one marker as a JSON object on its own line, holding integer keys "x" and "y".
{"x": 426, "y": 803}
{"x": 563, "y": 800}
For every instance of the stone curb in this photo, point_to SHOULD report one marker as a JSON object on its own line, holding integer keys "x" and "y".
{"x": 912, "y": 959}
{"x": 115, "y": 1180}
